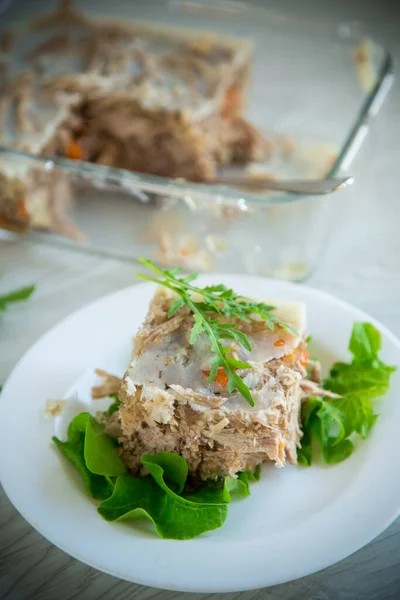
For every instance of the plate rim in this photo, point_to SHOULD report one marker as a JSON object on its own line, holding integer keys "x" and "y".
{"x": 320, "y": 294}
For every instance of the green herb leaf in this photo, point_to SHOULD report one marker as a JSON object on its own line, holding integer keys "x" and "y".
{"x": 93, "y": 454}
{"x": 356, "y": 415}
{"x": 254, "y": 476}
{"x": 337, "y": 453}
{"x": 96, "y": 486}
{"x": 197, "y": 329}
{"x": 240, "y": 484}
{"x": 16, "y": 296}
{"x": 371, "y": 377}
{"x": 114, "y": 406}
{"x": 228, "y": 331}
{"x": 332, "y": 423}
{"x": 216, "y": 300}
{"x": 236, "y": 382}
{"x": 174, "y": 516}
{"x": 365, "y": 341}
{"x": 132, "y": 498}
{"x": 211, "y": 492}
{"x": 158, "y": 496}
{"x": 175, "y": 306}
{"x": 174, "y": 466}
{"x": 101, "y": 456}
{"x": 308, "y": 422}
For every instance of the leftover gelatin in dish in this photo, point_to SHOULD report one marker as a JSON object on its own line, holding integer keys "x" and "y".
{"x": 218, "y": 384}
{"x": 123, "y": 94}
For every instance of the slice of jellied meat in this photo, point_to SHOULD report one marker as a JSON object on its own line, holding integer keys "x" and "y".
{"x": 167, "y": 402}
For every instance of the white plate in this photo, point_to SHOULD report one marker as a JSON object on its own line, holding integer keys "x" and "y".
{"x": 298, "y": 520}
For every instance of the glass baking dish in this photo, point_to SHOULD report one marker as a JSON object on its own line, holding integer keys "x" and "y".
{"x": 312, "y": 93}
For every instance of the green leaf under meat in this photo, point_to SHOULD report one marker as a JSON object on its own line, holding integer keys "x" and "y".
{"x": 158, "y": 496}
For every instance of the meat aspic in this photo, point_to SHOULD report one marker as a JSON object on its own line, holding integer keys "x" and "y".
{"x": 167, "y": 402}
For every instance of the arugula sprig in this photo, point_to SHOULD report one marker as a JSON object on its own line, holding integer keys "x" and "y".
{"x": 215, "y": 300}
{"x": 332, "y": 423}
{"x": 16, "y": 296}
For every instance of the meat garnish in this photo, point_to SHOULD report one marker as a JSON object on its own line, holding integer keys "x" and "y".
{"x": 168, "y": 404}
{"x": 110, "y": 385}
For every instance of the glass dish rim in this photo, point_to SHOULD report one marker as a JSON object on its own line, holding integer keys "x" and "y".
{"x": 140, "y": 184}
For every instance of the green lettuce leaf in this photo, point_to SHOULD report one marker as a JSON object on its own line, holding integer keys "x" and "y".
{"x": 365, "y": 341}
{"x": 222, "y": 491}
{"x": 173, "y": 516}
{"x": 96, "y": 486}
{"x": 159, "y": 496}
{"x": 114, "y": 406}
{"x": 366, "y": 374}
{"x": 173, "y": 466}
{"x": 308, "y": 423}
{"x": 370, "y": 378}
{"x": 211, "y": 492}
{"x": 330, "y": 424}
{"x": 240, "y": 484}
{"x": 101, "y": 455}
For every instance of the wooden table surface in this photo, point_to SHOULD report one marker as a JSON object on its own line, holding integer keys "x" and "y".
{"x": 361, "y": 265}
